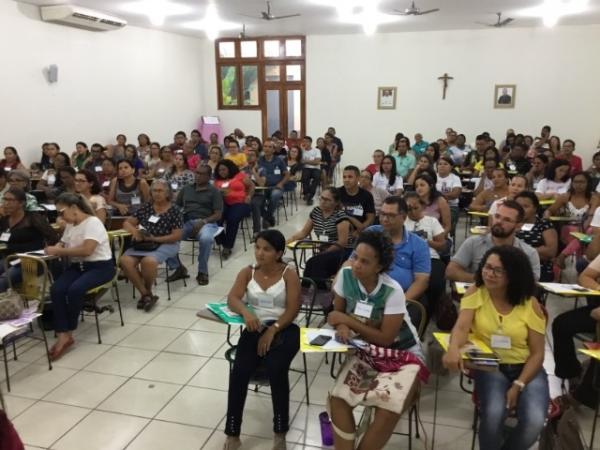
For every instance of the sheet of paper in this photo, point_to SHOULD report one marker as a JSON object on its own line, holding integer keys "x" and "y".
{"x": 49, "y": 206}
{"x": 561, "y": 287}
{"x": 332, "y": 345}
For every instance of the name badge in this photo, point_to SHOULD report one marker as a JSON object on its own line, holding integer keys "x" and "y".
{"x": 7, "y": 169}
{"x": 265, "y": 301}
{"x": 98, "y": 168}
{"x": 225, "y": 185}
{"x": 500, "y": 341}
{"x": 106, "y": 184}
{"x": 277, "y": 171}
{"x": 51, "y": 179}
{"x": 358, "y": 211}
{"x": 161, "y": 170}
{"x": 324, "y": 238}
{"x": 135, "y": 201}
{"x": 5, "y": 236}
{"x": 527, "y": 227}
{"x": 363, "y": 309}
{"x": 512, "y": 167}
{"x": 174, "y": 186}
{"x": 154, "y": 219}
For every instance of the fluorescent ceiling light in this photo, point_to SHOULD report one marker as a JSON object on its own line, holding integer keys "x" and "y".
{"x": 156, "y": 10}
{"x": 360, "y": 12}
{"x": 552, "y": 10}
{"x": 212, "y": 24}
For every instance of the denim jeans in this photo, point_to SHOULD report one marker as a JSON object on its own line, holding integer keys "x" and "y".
{"x": 205, "y": 238}
{"x": 14, "y": 272}
{"x": 310, "y": 180}
{"x": 531, "y": 410}
{"x": 264, "y": 206}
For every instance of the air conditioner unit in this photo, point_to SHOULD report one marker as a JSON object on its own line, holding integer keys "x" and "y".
{"x": 81, "y": 18}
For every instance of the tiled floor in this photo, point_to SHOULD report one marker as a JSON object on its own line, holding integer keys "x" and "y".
{"x": 160, "y": 382}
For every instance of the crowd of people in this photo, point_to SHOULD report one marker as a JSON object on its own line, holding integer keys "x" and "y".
{"x": 387, "y": 236}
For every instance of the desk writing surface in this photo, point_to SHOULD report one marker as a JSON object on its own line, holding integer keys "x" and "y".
{"x": 307, "y": 334}
{"x": 478, "y": 213}
{"x": 591, "y": 353}
{"x": 581, "y": 237}
{"x": 568, "y": 290}
{"x": 472, "y": 344}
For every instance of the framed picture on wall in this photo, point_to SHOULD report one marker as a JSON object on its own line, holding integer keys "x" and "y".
{"x": 504, "y": 95}
{"x": 386, "y": 97}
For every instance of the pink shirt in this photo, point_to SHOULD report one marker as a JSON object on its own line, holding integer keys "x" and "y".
{"x": 193, "y": 161}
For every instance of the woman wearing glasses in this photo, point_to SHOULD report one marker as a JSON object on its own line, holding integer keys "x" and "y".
{"x": 501, "y": 311}
{"x": 88, "y": 186}
{"x": 86, "y": 245}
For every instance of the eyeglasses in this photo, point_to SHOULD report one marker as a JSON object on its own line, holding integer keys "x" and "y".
{"x": 496, "y": 271}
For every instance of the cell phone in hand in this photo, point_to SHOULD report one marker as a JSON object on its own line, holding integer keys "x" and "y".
{"x": 320, "y": 340}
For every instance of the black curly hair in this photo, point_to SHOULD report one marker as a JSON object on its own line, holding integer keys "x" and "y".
{"x": 382, "y": 244}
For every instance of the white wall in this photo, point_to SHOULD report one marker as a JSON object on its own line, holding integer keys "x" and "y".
{"x": 557, "y": 73}
{"x": 127, "y": 81}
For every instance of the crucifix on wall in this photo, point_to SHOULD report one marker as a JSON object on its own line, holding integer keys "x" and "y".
{"x": 445, "y": 78}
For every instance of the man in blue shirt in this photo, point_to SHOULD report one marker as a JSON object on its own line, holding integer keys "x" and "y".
{"x": 420, "y": 145}
{"x": 274, "y": 172}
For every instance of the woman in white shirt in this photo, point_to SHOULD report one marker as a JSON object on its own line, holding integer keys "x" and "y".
{"x": 267, "y": 296}
{"x": 387, "y": 178}
{"x": 450, "y": 186}
{"x": 557, "y": 180}
{"x": 85, "y": 242}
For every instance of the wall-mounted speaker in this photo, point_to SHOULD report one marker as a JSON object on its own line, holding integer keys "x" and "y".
{"x": 52, "y": 73}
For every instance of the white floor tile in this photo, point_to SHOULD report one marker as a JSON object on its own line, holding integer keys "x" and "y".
{"x": 196, "y": 300}
{"x": 150, "y": 338}
{"x": 111, "y": 332}
{"x": 213, "y": 375}
{"x": 35, "y": 427}
{"x": 217, "y": 440}
{"x": 122, "y": 361}
{"x": 102, "y": 431}
{"x": 79, "y": 355}
{"x": 86, "y": 389}
{"x": 172, "y": 368}
{"x": 16, "y": 405}
{"x": 196, "y": 406}
{"x": 160, "y": 435}
{"x": 35, "y": 381}
{"x": 197, "y": 343}
{"x": 209, "y": 325}
{"x": 139, "y": 398}
{"x": 133, "y": 315}
{"x": 174, "y": 318}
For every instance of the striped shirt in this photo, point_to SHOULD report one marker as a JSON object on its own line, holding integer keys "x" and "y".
{"x": 326, "y": 226}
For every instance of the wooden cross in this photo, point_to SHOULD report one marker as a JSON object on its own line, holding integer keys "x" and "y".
{"x": 445, "y": 78}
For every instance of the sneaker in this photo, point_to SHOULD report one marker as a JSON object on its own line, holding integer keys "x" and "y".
{"x": 226, "y": 253}
{"x": 179, "y": 274}
{"x": 202, "y": 279}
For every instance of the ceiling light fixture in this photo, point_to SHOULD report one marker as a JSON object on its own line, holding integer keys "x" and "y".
{"x": 212, "y": 24}
{"x": 360, "y": 12}
{"x": 156, "y": 10}
{"x": 552, "y": 10}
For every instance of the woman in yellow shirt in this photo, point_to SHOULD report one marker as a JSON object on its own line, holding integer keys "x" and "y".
{"x": 500, "y": 311}
{"x": 234, "y": 154}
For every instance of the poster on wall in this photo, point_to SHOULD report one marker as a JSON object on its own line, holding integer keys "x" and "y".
{"x": 504, "y": 95}
{"x": 386, "y": 97}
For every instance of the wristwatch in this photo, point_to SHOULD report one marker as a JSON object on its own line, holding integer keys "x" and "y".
{"x": 520, "y": 384}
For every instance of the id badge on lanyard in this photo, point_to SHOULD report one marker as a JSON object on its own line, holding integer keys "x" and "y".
{"x": 363, "y": 309}
{"x": 499, "y": 339}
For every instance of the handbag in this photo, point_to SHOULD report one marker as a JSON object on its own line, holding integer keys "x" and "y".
{"x": 145, "y": 246}
{"x": 11, "y": 305}
{"x": 446, "y": 314}
{"x": 562, "y": 432}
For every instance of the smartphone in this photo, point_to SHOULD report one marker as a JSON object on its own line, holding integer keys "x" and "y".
{"x": 320, "y": 340}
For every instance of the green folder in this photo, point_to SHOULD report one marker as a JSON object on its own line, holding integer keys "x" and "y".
{"x": 222, "y": 311}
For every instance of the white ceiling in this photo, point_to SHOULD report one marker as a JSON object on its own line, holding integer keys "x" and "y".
{"x": 317, "y": 19}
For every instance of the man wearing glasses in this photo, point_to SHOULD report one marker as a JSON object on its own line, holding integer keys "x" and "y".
{"x": 506, "y": 222}
{"x": 202, "y": 208}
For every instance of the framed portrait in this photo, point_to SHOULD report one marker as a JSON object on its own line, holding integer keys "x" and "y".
{"x": 386, "y": 97}
{"x": 504, "y": 95}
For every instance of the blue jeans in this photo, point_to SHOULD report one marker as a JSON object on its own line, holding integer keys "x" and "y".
{"x": 532, "y": 407}
{"x": 14, "y": 272}
{"x": 205, "y": 238}
{"x": 232, "y": 216}
{"x": 264, "y": 205}
{"x": 68, "y": 291}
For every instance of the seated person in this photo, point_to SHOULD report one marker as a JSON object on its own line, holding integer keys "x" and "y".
{"x": 276, "y": 175}
{"x": 131, "y": 154}
{"x": 4, "y": 187}
{"x": 387, "y": 178}
{"x": 311, "y": 169}
{"x": 85, "y": 242}
{"x": 432, "y": 231}
{"x": 164, "y": 166}
{"x": 504, "y": 225}
{"x": 158, "y": 221}
{"x": 50, "y": 179}
{"x": 485, "y": 181}
{"x": 537, "y": 171}
{"x": 539, "y": 233}
{"x": 557, "y": 180}
{"x": 11, "y": 160}
{"x": 434, "y": 203}
{"x": 237, "y": 190}
{"x": 109, "y": 171}
{"x": 356, "y": 202}
{"x": 516, "y": 185}
{"x": 330, "y": 226}
{"x": 449, "y": 185}
{"x": 20, "y": 179}
{"x": 202, "y": 206}
{"x": 80, "y": 155}
{"x": 234, "y": 154}
{"x": 293, "y": 161}
{"x": 379, "y": 195}
{"x": 516, "y": 161}
{"x": 405, "y": 162}
{"x": 564, "y": 329}
{"x": 271, "y": 337}
{"x": 127, "y": 193}
{"x": 66, "y": 175}
{"x": 374, "y": 167}
{"x": 190, "y": 155}
{"x": 86, "y": 184}
{"x": 424, "y": 165}
{"x": 412, "y": 263}
{"x": 49, "y": 152}
{"x": 180, "y": 175}
{"x": 21, "y": 231}
{"x": 484, "y": 199}
{"x": 501, "y": 311}
{"x": 94, "y": 162}
{"x": 381, "y": 320}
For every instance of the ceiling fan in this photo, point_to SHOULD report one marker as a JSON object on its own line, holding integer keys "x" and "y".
{"x": 268, "y": 15}
{"x": 413, "y": 11}
{"x": 499, "y": 23}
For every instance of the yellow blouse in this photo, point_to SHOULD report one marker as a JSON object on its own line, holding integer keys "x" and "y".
{"x": 516, "y": 324}
{"x": 478, "y": 167}
{"x": 239, "y": 159}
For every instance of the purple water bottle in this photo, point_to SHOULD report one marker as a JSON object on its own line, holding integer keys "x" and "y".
{"x": 326, "y": 429}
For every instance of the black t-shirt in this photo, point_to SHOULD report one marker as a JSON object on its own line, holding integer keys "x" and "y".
{"x": 359, "y": 205}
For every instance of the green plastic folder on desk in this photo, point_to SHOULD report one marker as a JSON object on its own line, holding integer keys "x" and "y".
{"x": 222, "y": 311}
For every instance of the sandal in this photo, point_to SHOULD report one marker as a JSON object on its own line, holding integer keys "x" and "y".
{"x": 150, "y": 302}
{"x": 57, "y": 352}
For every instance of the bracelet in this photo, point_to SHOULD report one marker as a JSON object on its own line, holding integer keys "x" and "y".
{"x": 277, "y": 327}
{"x": 520, "y": 384}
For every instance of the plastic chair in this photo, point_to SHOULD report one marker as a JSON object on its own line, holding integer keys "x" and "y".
{"x": 91, "y": 306}
{"x": 33, "y": 269}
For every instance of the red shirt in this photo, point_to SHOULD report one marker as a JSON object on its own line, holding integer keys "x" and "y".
{"x": 234, "y": 189}
{"x": 193, "y": 161}
{"x": 372, "y": 168}
{"x": 576, "y": 164}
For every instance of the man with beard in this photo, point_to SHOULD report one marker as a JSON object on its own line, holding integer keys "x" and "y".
{"x": 505, "y": 224}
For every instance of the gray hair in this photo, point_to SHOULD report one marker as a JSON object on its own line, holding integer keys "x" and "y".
{"x": 165, "y": 183}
